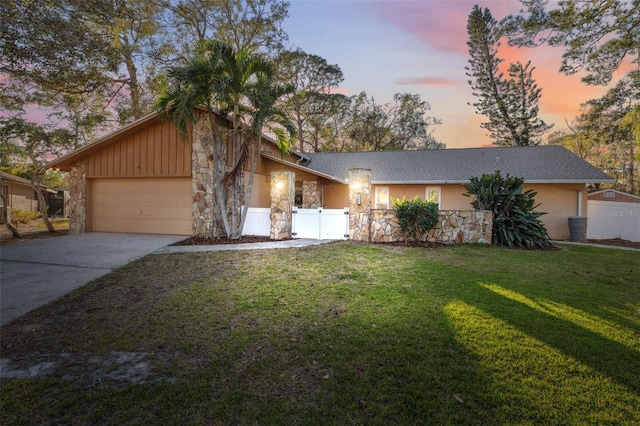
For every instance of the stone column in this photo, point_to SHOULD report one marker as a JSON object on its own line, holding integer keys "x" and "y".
{"x": 283, "y": 193}
{"x": 360, "y": 204}
{"x": 310, "y": 199}
{"x": 202, "y": 180}
{"x": 77, "y": 210}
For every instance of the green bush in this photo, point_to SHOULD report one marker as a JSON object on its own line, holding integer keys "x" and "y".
{"x": 415, "y": 217}
{"x": 515, "y": 223}
{"x": 23, "y": 216}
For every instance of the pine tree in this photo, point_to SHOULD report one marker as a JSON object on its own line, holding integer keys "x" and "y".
{"x": 510, "y": 104}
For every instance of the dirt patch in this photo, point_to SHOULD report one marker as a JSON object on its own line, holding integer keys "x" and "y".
{"x": 98, "y": 369}
{"x": 35, "y": 230}
{"x": 616, "y": 242}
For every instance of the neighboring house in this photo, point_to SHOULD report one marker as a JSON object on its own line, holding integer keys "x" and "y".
{"x": 19, "y": 195}
{"x": 613, "y": 214}
{"x": 145, "y": 178}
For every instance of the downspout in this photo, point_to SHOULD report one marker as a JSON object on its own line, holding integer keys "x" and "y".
{"x": 580, "y": 202}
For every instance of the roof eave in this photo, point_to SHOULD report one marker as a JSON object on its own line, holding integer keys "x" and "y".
{"x": 458, "y": 181}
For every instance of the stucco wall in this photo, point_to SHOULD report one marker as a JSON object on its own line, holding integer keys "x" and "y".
{"x": 260, "y": 194}
{"x": 21, "y": 197}
{"x": 336, "y": 196}
{"x": 559, "y": 201}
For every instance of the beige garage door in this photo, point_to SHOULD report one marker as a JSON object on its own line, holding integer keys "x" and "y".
{"x": 143, "y": 206}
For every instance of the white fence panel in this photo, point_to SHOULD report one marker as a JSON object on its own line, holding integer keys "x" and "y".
{"x": 321, "y": 224}
{"x": 606, "y": 219}
{"x": 258, "y": 222}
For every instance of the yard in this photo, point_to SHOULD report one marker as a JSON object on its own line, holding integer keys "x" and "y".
{"x": 342, "y": 333}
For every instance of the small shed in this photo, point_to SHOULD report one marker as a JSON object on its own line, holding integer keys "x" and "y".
{"x": 613, "y": 214}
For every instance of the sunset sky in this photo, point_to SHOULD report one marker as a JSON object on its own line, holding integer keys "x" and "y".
{"x": 419, "y": 46}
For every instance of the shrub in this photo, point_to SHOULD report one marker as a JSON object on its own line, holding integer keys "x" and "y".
{"x": 23, "y": 216}
{"x": 515, "y": 223}
{"x": 415, "y": 217}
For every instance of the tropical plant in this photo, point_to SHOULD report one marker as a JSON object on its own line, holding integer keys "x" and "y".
{"x": 515, "y": 223}
{"x": 415, "y": 217}
{"x": 237, "y": 85}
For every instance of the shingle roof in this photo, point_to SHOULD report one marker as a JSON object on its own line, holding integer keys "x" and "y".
{"x": 536, "y": 164}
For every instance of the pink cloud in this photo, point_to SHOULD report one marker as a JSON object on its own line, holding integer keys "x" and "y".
{"x": 440, "y": 24}
{"x": 426, "y": 81}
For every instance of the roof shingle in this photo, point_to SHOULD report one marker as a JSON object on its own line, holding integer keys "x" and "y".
{"x": 536, "y": 164}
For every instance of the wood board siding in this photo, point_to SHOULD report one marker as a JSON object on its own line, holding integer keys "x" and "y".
{"x": 154, "y": 151}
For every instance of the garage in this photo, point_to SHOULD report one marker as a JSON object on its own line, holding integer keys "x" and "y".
{"x": 141, "y": 205}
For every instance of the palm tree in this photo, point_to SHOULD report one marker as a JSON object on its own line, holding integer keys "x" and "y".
{"x": 239, "y": 86}
{"x": 267, "y": 114}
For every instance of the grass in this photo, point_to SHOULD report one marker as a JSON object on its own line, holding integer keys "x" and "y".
{"x": 340, "y": 334}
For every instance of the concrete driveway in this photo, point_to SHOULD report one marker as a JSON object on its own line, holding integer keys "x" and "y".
{"x": 33, "y": 273}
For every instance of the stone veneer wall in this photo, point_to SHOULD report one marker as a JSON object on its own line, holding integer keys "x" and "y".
{"x": 202, "y": 180}
{"x": 310, "y": 195}
{"x": 77, "y": 207}
{"x": 453, "y": 227}
{"x": 360, "y": 204}
{"x": 283, "y": 193}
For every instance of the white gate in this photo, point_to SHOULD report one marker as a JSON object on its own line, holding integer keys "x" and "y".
{"x": 321, "y": 224}
{"x": 606, "y": 219}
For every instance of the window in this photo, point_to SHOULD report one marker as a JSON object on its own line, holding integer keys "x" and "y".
{"x": 382, "y": 197}
{"x": 433, "y": 195}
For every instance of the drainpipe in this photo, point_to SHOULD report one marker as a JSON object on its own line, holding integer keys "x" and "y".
{"x": 580, "y": 202}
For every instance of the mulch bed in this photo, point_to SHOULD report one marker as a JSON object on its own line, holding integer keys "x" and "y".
{"x": 203, "y": 241}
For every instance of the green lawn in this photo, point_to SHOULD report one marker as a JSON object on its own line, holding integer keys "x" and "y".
{"x": 339, "y": 334}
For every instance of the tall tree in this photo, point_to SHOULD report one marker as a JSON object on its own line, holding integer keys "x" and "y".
{"x": 609, "y": 122}
{"x": 36, "y": 144}
{"x": 329, "y": 132}
{"x": 239, "y": 86}
{"x": 606, "y": 133}
{"x": 132, "y": 29}
{"x": 243, "y": 24}
{"x": 50, "y": 45}
{"x": 510, "y": 104}
{"x": 313, "y": 80}
{"x": 598, "y": 36}
{"x": 401, "y": 124}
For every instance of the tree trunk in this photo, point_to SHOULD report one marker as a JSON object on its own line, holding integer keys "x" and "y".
{"x": 219, "y": 171}
{"x": 41, "y": 203}
{"x": 134, "y": 87}
{"x": 252, "y": 173}
{"x": 299, "y": 123}
{"x": 234, "y": 183}
{"x": 7, "y": 223}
